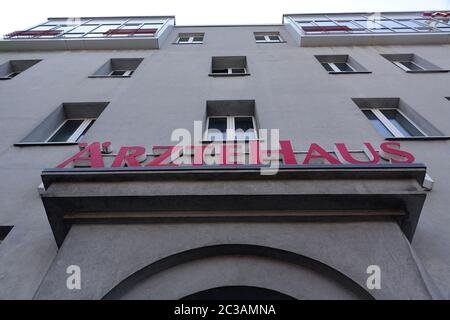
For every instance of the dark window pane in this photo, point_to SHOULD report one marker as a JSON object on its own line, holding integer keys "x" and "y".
{"x": 327, "y": 67}
{"x": 217, "y": 128}
{"x": 244, "y": 128}
{"x": 260, "y": 38}
{"x": 220, "y": 71}
{"x": 183, "y": 39}
{"x": 238, "y": 70}
{"x": 411, "y": 66}
{"x": 401, "y": 123}
{"x": 344, "y": 67}
{"x": 274, "y": 38}
{"x": 377, "y": 124}
{"x": 198, "y": 39}
{"x": 66, "y": 131}
{"x": 118, "y": 72}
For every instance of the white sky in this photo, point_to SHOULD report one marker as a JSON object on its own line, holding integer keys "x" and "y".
{"x": 21, "y": 14}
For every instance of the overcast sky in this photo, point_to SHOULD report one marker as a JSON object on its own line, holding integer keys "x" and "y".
{"x": 21, "y": 14}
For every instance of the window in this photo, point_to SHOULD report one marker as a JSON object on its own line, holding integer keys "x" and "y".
{"x": 4, "y": 231}
{"x": 412, "y": 63}
{"x": 337, "y": 67}
{"x": 121, "y": 73}
{"x": 190, "y": 38}
{"x": 273, "y": 37}
{"x": 392, "y": 123}
{"x": 232, "y": 128}
{"x": 233, "y": 66}
{"x": 13, "y": 68}
{"x": 408, "y": 65}
{"x": 67, "y": 124}
{"x": 118, "y": 68}
{"x": 343, "y": 63}
{"x": 71, "y": 130}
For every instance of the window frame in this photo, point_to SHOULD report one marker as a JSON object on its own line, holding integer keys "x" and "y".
{"x": 399, "y": 64}
{"x": 229, "y": 71}
{"x": 396, "y": 133}
{"x": 267, "y": 38}
{"x": 191, "y": 39}
{"x": 230, "y": 133}
{"x": 127, "y": 73}
{"x": 76, "y": 134}
{"x": 336, "y": 69}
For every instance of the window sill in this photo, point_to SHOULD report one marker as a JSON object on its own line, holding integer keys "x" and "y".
{"x": 428, "y": 71}
{"x": 229, "y": 141}
{"x": 349, "y": 72}
{"x": 268, "y": 42}
{"x": 183, "y": 43}
{"x": 109, "y": 77}
{"x": 228, "y": 75}
{"x": 418, "y": 138}
{"x": 36, "y": 144}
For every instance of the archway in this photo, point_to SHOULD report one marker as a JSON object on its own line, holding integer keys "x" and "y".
{"x": 238, "y": 293}
{"x": 186, "y": 273}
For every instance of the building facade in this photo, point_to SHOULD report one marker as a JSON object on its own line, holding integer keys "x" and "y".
{"x": 98, "y": 201}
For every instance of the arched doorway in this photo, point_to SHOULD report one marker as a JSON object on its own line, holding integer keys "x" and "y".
{"x": 238, "y": 293}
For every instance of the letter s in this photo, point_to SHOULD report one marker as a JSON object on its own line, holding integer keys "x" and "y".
{"x": 391, "y": 151}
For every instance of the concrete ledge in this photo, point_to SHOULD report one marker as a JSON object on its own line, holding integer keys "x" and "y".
{"x": 296, "y": 193}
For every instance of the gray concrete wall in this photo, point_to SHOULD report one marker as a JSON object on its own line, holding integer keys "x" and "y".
{"x": 169, "y": 90}
{"x": 108, "y": 255}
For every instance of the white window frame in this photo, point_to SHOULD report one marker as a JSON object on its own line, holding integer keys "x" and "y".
{"x": 389, "y": 125}
{"x": 336, "y": 69}
{"x": 230, "y": 132}
{"x": 191, "y": 39}
{"x": 267, "y": 38}
{"x": 127, "y": 73}
{"x": 230, "y": 70}
{"x": 399, "y": 64}
{"x": 77, "y": 133}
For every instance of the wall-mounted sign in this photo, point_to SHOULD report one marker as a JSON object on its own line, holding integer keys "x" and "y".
{"x": 252, "y": 153}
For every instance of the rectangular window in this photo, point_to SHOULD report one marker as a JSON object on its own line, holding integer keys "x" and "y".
{"x": 412, "y": 63}
{"x": 231, "y": 65}
{"x": 392, "y": 123}
{"x": 230, "y": 128}
{"x": 13, "y": 68}
{"x": 267, "y": 37}
{"x": 190, "y": 38}
{"x": 118, "y": 68}
{"x": 71, "y": 130}
{"x": 67, "y": 124}
{"x": 340, "y": 63}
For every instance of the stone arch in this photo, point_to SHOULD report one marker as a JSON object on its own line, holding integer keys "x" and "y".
{"x": 333, "y": 283}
